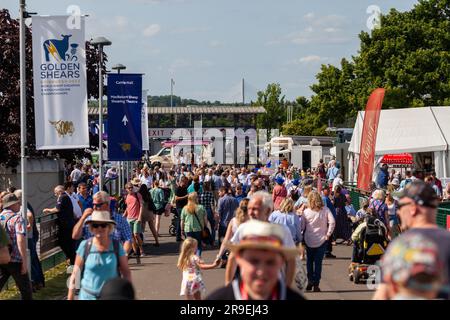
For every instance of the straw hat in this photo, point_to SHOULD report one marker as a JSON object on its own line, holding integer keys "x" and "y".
{"x": 101, "y": 216}
{"x": 136, "y": 181}
{"x": 265, "y": 236}
{"x": 9, "y": 200}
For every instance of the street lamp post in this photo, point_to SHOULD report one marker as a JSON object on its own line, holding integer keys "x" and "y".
{"x": 100, "y": 42}
{"x": 119, "y": 67}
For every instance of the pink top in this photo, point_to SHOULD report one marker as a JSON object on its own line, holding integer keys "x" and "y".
{"x": 318, "y": 224}
{"x": 133, "y": 206}
{"x": 278, "y": 195}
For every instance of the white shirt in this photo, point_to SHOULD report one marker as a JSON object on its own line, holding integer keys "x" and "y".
{"x": 75, "y": 174}
{"x": 148, "y": 181}
{"x": 76, "y": 207}
{"x": 242, "y": 178}
{"x": 337, "y": 181}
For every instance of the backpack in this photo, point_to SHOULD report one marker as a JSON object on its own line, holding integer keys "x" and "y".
{"x": 87, "y": 251}
{"x": 5, "y": 242}
{"x": 294, "y": 194}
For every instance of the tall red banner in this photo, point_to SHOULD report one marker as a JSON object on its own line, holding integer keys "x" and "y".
{"x": 369, "y": 139}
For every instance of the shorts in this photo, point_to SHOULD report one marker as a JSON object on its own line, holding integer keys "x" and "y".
{"x": 160, "y": 211}
{"x": 135, "y": 226}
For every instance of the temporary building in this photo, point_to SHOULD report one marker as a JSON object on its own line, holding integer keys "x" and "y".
{"x": 411, "y": 130}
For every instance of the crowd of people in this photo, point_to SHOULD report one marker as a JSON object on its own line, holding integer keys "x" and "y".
{"x": 260, "y": 223}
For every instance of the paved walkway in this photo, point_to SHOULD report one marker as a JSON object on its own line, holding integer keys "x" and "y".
{"x": 157, "y": 277}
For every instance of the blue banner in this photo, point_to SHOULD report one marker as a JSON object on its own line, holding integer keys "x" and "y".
{"x": 124, "y": 117}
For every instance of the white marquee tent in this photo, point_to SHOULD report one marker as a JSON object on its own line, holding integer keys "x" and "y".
{"x": 412, "y": 130}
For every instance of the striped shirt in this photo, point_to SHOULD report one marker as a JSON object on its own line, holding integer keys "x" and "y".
{"x": 122, "y": 231}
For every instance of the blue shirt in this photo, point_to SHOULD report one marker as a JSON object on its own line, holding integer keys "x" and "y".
{"x": 291, "y": 221}
{"x": 226, "y": 207}
{"x": 240, "y": 198}
{"x": 332, "y": 173}
{"x": 329, "y": 205}
{"x": 122, "y": 231}
{"x": 85, "y": 202}
{"x": 99, "y": 267}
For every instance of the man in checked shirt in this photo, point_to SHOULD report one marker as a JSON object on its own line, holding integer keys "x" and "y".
{"x": 122, "y": 231}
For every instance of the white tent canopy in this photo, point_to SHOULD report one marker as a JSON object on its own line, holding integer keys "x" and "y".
{"x": 411, "y": 130}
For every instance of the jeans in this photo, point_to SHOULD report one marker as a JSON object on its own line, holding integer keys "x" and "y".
{"x": 222, "y": 232}
{"x": 197, "y": 236}
{"x": 37, "y": 275}
{"x": 329, "y": 248}
{"x": 314, "y": 258}
{"x": 212, "y": 222}
{"x": 22, "y": 281}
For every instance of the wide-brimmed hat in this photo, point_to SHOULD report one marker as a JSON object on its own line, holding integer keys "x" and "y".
{"x": 136, "y": 181}
{"x": 9, "y": 200}
{"x": 101, "y": 216}
{"x": 263, "y": 235}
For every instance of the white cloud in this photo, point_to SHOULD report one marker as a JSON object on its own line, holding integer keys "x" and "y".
{"x": 272, "y": 42}
{"x": 309, "y": 16}
{"x": 216, "y": 44}
{"x": 151, "y": 30}
{"x": 307, "y": 60}
{"x": 121, "y": 21}
{"x": 179, "y": 64}
{"x": 318, "y": 29}
{"x": 206, "y": 63}
{"x": 331, "y": 30}
{"x": 311, "y": 59}
{"x": 185, "y": 30}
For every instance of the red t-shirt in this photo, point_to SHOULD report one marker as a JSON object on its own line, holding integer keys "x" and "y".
{"x": 133, "y": 202}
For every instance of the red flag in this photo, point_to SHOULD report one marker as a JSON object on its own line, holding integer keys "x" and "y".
{"x": 369, "y": 139}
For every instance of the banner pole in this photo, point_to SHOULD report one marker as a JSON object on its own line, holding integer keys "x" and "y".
{"x": 100, "y": 115}
{"x": 23, "y": 125}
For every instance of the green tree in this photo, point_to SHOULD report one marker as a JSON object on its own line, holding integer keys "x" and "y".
{"x": 274, "y": 103}
{"x": 409, "y": 56}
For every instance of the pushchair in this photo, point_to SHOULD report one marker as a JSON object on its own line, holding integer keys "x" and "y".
{"x": 174, "y": 222}
{"x": 368, "y": 250}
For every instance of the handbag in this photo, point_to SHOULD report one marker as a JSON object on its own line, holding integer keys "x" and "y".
{"x": 206, "y": 234}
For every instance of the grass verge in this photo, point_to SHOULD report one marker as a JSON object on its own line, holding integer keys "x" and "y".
{"x": 55, "y": 286}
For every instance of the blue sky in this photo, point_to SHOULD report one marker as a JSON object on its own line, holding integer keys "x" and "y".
{"x": 208, "y": 46}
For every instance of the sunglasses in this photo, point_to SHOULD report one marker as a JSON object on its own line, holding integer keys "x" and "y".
{"x": 98, "y": 205}
{"x": 97, "y": 225}
{"x": 400, "y": 205}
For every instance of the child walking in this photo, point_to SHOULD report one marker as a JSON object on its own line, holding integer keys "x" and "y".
{"x": 192, "y": 284}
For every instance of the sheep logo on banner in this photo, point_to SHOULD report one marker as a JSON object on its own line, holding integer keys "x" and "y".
{"x": 58, "y": 49}
{"x": 63, "y": 128}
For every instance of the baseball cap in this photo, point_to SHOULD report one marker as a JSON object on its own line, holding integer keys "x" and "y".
{"x": 422, "y": 193}
{"x": 413, "y": 260}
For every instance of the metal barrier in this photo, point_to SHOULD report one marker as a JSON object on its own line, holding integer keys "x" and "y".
{"x": 47, "y": 247}
{"x": 357, "y": 195}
